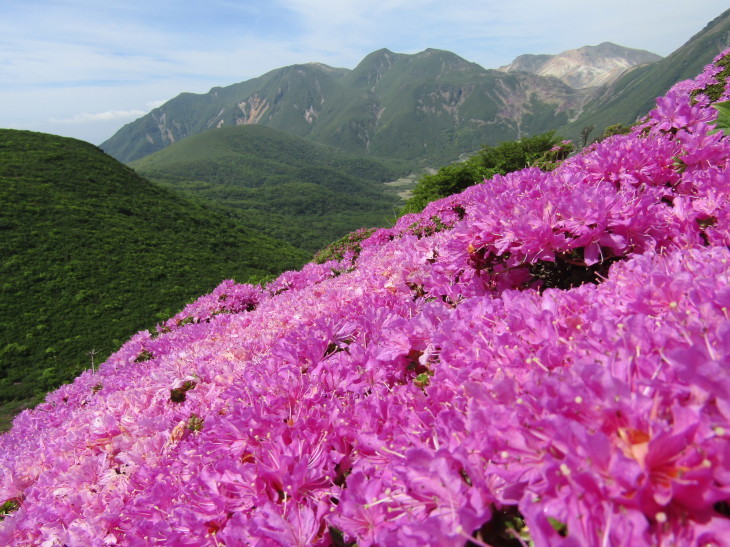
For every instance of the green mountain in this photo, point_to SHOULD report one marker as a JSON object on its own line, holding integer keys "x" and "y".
{"x": 428, "y": 107}
{"x": 431, "y": 107}
{"x": 302, "y": 192}
{"x": 633, "y": 95}
{"x": 90, "y": 253}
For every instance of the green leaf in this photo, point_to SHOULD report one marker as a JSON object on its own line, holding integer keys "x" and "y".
{"x": 723, "y": 118}
{"x": 195, "y": 423}
{"x": 560, "y": 527}
{"x": 422, "y": 380}
{"x": 13, "y": 504}
{"x": 338, "y": 538}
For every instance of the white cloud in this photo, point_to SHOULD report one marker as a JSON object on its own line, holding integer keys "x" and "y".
{"x": 109, "y": 115}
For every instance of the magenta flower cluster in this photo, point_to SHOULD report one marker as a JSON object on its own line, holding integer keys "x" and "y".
{"x": 542, "y": 359}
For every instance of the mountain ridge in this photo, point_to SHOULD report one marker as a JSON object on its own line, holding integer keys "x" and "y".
{"x": 588, "y": 66}
{"x": 433, "y": 104}
{"x": 431, "y": 107}
{"x": 631, "y": 97}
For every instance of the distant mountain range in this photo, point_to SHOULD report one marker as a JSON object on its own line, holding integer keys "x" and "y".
{"x": 431, "y": 107}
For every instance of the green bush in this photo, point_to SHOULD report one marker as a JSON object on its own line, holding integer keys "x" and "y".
{"x": 490, "y": 160}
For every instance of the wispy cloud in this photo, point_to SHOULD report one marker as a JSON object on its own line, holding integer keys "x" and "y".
{"x": 109, "y": 115}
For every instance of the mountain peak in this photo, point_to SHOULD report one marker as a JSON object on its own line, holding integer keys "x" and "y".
{"x": 587, "y": 66}
{"x": 321, "y": 66}
{"x": 433, "y": 105}
{"x": 444, "y": 55}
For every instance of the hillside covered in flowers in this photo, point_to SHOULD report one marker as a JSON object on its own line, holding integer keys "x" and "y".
{"x": 542, "y": 359}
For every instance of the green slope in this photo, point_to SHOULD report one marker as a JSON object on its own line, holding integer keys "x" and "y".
{"x": 634, "y": 94}
{"x": 305, "y": 193}
{"x": 91, "y": 253}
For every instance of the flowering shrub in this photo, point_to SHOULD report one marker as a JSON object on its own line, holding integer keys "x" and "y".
{"x": 540, "y": 359}
{"x": 554, "y": 157}
{"x": 346, "y": 245}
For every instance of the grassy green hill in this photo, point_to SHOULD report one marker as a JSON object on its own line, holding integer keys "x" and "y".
{"x": 302, "y": 192}
{"x": 91, "y": 253}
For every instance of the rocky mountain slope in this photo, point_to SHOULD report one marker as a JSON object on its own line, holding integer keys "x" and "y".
{"x": 432, "y": 105}
{"x": 634, "y": 93}
{"x": 588, "y": 66}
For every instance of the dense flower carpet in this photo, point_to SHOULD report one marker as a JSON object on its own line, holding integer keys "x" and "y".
{"x": 541, "y": 360}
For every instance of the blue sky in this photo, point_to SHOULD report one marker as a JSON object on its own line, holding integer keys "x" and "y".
{"x": 84, "y": 68}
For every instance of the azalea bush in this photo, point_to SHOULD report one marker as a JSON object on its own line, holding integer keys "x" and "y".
{"x": 542, "y": 359}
